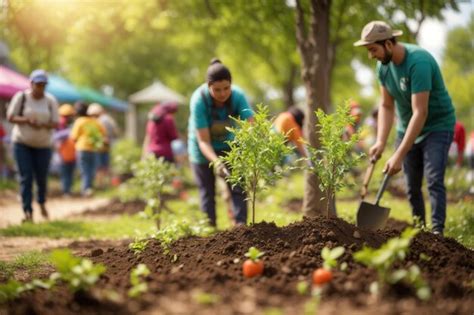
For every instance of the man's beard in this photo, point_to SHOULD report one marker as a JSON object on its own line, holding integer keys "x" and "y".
{"x": 387, "y": 56}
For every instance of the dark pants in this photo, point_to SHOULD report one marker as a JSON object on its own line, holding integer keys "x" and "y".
{"x": 87, "y": 161}
{"x": 33, "y": 163}
{"x": 67, "y": 176}
{"x": 206, "y": 181}
{"x": 429, "y": 158}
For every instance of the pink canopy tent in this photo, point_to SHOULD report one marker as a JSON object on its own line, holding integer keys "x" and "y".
{"x": 11, "y": 82}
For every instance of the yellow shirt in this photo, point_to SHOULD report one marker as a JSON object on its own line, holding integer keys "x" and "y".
{"x": 88, "y": 134}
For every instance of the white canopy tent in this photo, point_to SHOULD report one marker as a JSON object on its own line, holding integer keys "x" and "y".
{"x": 157, "y": 92}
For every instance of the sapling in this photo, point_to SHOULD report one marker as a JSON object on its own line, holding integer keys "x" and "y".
{"x": 335, "y": 156}
{"x": 152, "y": 177}
{"x": 255, "y": 152}
{"x": 383, "y": 258}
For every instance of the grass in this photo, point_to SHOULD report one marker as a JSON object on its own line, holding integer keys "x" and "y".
{"x": 270, "y": 207}
{"x": 29, "y": 262}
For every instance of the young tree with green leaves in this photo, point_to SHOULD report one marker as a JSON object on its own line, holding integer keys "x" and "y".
{"x": 335, "y": 156}
{"x": 255, "y": 154}
{"x": 151, "y": 178}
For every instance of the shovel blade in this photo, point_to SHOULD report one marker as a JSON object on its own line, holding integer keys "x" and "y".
{"x": 371, "y": 217}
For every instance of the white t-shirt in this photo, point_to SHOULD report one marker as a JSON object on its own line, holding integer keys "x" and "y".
{"x": 43, "y": 111}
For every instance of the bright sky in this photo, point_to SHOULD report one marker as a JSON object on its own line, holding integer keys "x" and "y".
{"x": 432, "y": 37}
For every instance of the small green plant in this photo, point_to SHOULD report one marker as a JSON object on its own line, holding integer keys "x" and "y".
{"x": 255, "y": 152}
{"x": 180, "y": 229}
{"x": 79, "y": 274}
{"x": 152, "y": 177}
{"x": 254, "y": 254}
{"x": 124, "y": 154}
{"x": 136, "y": 280}
{"x": 330, "y": 256}
{"x": 10, "y": 290}
{"x": 413, "y": 277}
{"x": 138, "y": 246}
{"x": 205, "y": 298}
{"x": 335, "y": 156}
{"x": 382, "y": 261}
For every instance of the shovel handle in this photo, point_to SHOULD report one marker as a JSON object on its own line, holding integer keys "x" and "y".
{"x": 382, "y": 189}
{"x": 367, "y": 177}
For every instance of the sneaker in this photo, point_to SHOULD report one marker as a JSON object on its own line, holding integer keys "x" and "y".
{"x": 440, "y": 233}
{"x": 88, "y": 192}
{"x": 28, "y": 217}
{"x": 44, "y": 212}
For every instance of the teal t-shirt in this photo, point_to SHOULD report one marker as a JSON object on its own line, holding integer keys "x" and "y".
{"x": 203, "y": 116}
{"x": 418, "y": 72}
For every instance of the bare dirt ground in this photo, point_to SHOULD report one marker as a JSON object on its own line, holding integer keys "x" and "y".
{"x": 58, "y": 207}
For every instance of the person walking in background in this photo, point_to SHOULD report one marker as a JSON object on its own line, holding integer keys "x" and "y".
{"x": 3, "y": 164}
{"x": 290, "y": 124}
{"x": 411, "y": 82}
{"x": 456, "y": 150}
{"x": 161, "y": 131}
{"x": 89, "y": 137}
{"x": 34, "y": 114}
{"x": 65, "y": 147}
{"x": 211, "y": 108}
{"x": 112, "y": 132}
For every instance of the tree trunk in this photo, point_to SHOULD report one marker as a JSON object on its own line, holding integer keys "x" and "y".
{"x": 289, "y": 87}
{"x": 313, "y": 45}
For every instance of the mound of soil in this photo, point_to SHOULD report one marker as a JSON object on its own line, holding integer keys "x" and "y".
{"x": 117, "y": 207}
{"x": 213, "y": 265}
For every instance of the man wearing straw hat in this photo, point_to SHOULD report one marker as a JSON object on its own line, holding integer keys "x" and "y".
{"x": 412, "y": 87}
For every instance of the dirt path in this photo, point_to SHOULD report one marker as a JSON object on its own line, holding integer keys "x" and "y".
{"x": 58, "y": 207}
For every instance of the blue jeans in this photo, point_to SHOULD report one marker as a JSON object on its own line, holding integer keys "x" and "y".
{"x": 67, "y": 176}
{"x": 429, "y": 158}
{"x": 206, "y": 181}
{"x": 32, "y": 163}
{"x": 87, "y": 161}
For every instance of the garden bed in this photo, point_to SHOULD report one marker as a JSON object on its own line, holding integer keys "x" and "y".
{"x": 197, "y": 265}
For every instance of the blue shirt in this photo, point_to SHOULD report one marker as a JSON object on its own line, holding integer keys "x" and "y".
{"x": 201, "y": 116}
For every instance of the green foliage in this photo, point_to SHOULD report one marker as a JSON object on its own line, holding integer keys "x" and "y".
{"x": 254, "y": 155}
{"x": 29, "y": 262}
{"x": 254, "y": 254}
{"x": 413, "y": 277}
{"x": 335, "y": 156}
{"x": 205, "y": 298}
{"x": 382, "y": 260}
{"x": 138, "y": 246}
{"x": 137, "y": 276}
{"x": 79, "y": 274}
{"x": 124, "y": 154}
{"x": 330, "y": 256}
{"x": 151, "y": 178}
{"x": 179, "y": 229}
{"x": 10, "y": 290}
{"x": 458, "y": 71}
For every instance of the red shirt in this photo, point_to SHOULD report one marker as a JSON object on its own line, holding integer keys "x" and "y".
{"x": 161, "y": 134}
{"x": 2, "y": 132}
{"x": 460, "y": 137}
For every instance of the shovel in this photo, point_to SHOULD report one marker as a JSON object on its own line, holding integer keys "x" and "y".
{"x": 372, "y": 216}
